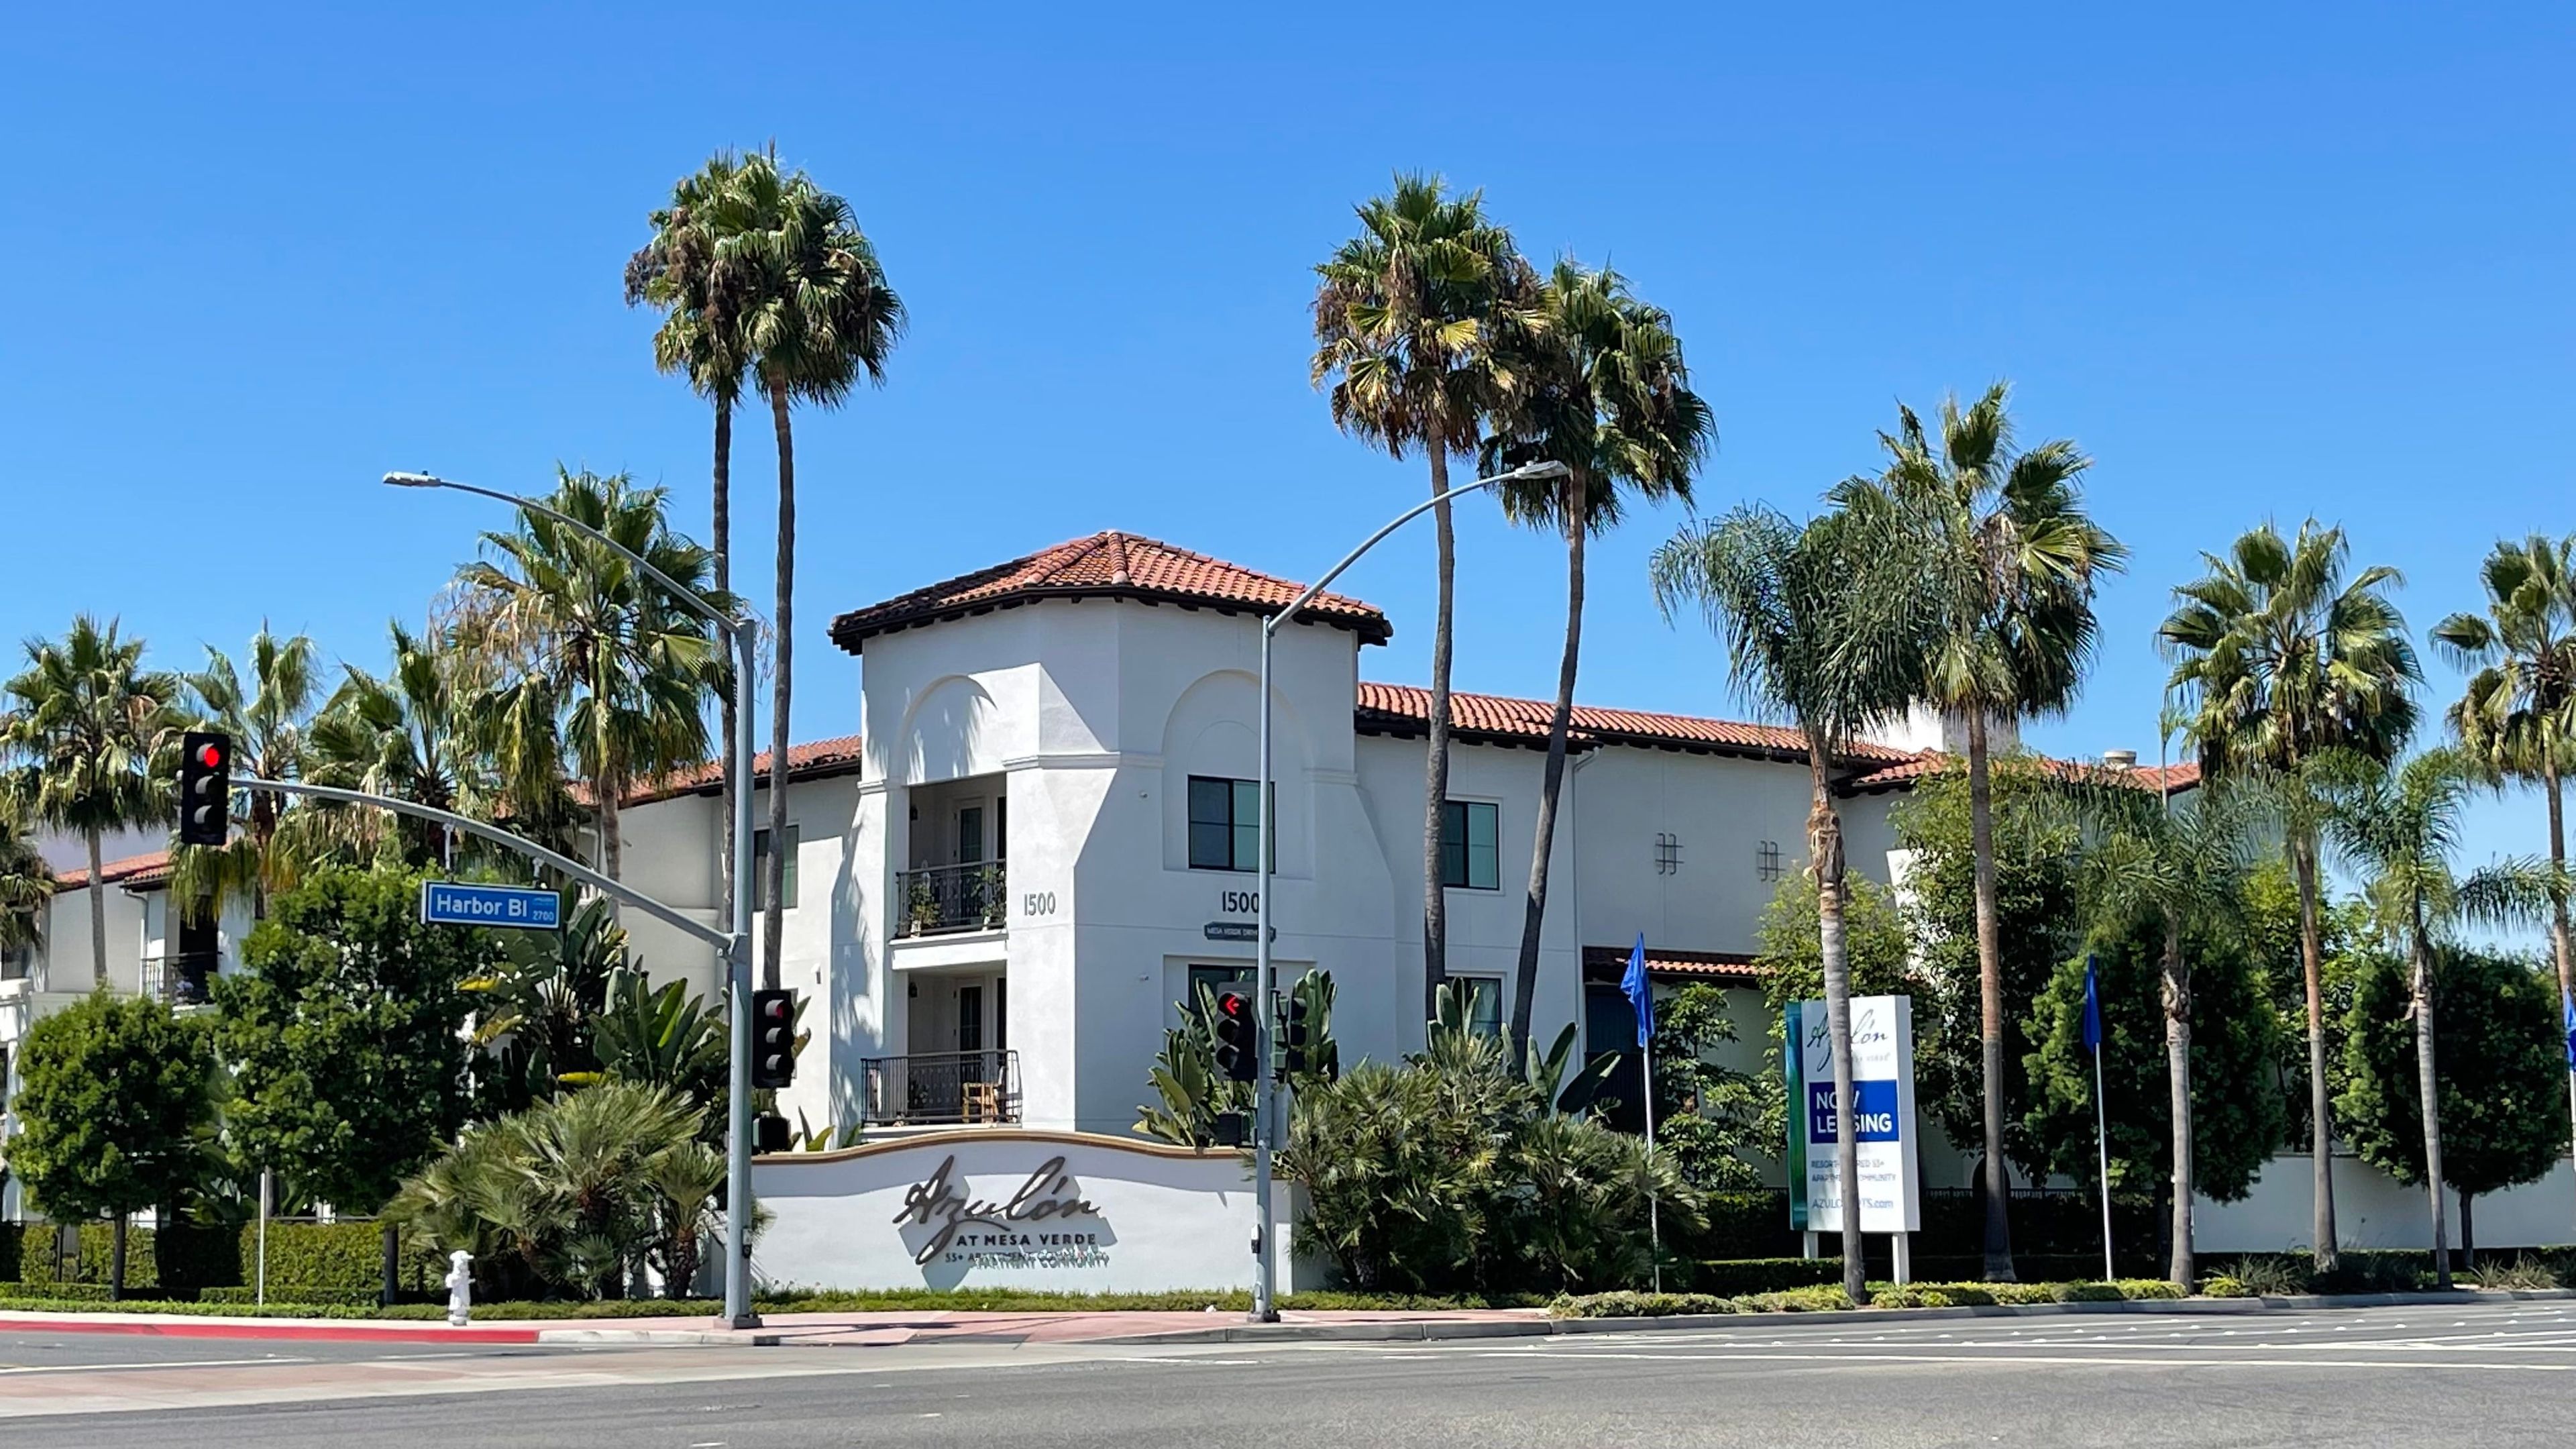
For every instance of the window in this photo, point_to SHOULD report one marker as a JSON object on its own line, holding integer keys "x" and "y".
{"x": 1225, "y": 824}
{"x": 1668, "y": 854}
{"x": 1766, "y": 860}
{"x": 1216, "y": 979}
{"x": 1484, "y": 1004}
{"x": 760, "y": 869}
{"x": 1468, "y": 860}
{"x": 16, "y": 961}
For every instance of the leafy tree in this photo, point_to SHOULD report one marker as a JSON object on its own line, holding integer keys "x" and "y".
{"x": 2236, "y": 1108}
{"x": 2008, "y": 565}
{"x": 2039, "y": 919}
{"x": 1405, "y": 327}
{"x": 2518, "y": 715}
{"x": 820, "y": 315}
{"x": 1788, "y": 952}
{"x": 1818, "y": 631}
{"x": 1708, "y": 1115}
{"x": 2496, "y": 1042}
{"x": 2185, "y": 871}
{"x": 83, "y": 724}
{"x": 699, "y": 274}
{"x": 2398, "y": 827}
{"x": 266, "y": 719}
{"x": 115, "y": 1105}
{"x": 1602, "y": 389}
{"x": 345, "y": 1038}
{"x": 26, "y": 882}
{"x": 2280, "y": 662}
{"x": 567, "y": 625}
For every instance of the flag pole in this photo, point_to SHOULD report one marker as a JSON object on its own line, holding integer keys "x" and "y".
{"x": 1654, "y": 1222}
{"x": 2102, "y": 1153}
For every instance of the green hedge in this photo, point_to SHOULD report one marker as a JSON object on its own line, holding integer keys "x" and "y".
{"x": 1882, "y": 1295}
{"x": 97, "y": 1249}
{"x": 1733, "y": 1279}
{"x": 344, "y": 1297}
{"x": 335, "y": 1261}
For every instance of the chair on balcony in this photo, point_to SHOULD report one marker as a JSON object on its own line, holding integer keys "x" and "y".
{"x": 982, "y": 1102}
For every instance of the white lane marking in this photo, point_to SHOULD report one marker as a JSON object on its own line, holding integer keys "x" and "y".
{"x": 176, "y": 1363}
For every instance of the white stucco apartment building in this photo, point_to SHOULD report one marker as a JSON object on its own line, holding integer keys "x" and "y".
{"x": 1041, "y": 836}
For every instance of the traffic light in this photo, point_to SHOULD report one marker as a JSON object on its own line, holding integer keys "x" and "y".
{"x": 205, "y": 788}
{"x": 1294, "y": 1035}
{"x": 773, "y": 1039}
{"x": 1238, "y": 1044}
{"x": 770, "y": 1133}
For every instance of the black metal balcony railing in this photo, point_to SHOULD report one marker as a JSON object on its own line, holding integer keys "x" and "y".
{"x": 179, "y": 978}
{"x": 940, "y": 1088}
{"x": 950, "y": 898}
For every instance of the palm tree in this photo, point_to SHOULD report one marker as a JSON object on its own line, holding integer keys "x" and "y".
{"x": 2008, "y": 563}
{"x": 1601, "y": 388}
{"x": 2397, "y": 827}
{"x": 584, "y": 633}
{"x": 267, "y": 721}
{"x": 696, "y": 271}
{"x": 2277, "y": 660}
{"x": 2188, "y": 869}
{"x": 1815, "y": 631}
{"x": 1405, "y": 327}
{"x": 2518, "y": 715}
{"x": 820, "y": 317}
{"x": 409, "y": 734}
{"x": 26, "y": 882}
{"x": 85, "y": 721}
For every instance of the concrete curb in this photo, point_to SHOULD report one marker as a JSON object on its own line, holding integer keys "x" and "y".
{"x": 307, "y": 1330}
{"x": 658, "y": 1337}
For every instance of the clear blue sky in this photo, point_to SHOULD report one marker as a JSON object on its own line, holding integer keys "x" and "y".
{"x": 2260, "y": 261}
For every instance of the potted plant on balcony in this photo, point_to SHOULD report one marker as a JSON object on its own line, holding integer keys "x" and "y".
{"x": 988, "y": 886}
{"x": 920, "y": 906}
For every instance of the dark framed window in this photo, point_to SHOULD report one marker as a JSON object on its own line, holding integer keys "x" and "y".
{"x": 760, "y": 870}
{"x": 1469, "y": 859}
{"x": 1225, "y": 824}
{"x": 1484, "y": 1004}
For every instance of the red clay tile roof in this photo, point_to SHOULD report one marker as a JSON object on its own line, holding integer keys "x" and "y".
{"x": 2175, "y": 778}
{"x": 1106, "y": 566}
{"x": 1732, "y": 967}
{"x": 150, "y": 868}
{"x": 1406, "y": 709}
{"x": 806, "y": 761}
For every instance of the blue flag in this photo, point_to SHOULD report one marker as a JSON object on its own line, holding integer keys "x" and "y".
{"x": 2568, "y": 1005}
{"x": 2093, "y": 1011}
{"x": 1641, "y": 992}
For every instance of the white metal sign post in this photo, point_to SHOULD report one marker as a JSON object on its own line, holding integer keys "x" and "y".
{"x": 1884, "y": 1138}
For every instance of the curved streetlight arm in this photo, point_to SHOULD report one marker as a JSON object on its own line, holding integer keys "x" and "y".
{"x": 721, "y": 940}
{"x": 692, "y": 598}
{"x": 1525, "y": 473}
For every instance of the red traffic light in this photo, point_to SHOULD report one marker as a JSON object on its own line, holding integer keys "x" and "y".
{"x": 1234, "y": 1004}
{"x": 777, "y": 1008}
{"x": 210, "y": 755}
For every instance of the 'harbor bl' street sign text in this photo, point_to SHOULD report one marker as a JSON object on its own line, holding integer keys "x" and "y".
{"x": 445, "y": 903}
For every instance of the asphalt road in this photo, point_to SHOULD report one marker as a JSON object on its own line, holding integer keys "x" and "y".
{"x": 2490, "y": 1375}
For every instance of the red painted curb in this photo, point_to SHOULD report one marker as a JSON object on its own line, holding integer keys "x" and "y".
{"x": 178, "y": 1327}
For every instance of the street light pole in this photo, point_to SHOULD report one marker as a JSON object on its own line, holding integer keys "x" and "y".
{"x": 744, "y": 633}
{"x": 1265, "y": 1252}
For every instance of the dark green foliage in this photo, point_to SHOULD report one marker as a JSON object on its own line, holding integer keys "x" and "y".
{"x": 335, "y": 1260}
{"x": 1793, "y": 969}
{"x": 36, "y": 1263}
{"x": 666, "y": 1037}
{"x": 2502, "y": 1078}
{"x": 115, "y": 1108}
{"x": 345, "y": 1036}
{"x": 541, "y": 1001}
{"x": 1761, "y": 1275}
{"x": 1194, "y": 1092}
{"x": 1742, "y": 1224}
{"x": 2041, "y": 925}
{"x": 334, "y": 1297}
{"x": 1707, "y": 1115}
{"x": 179, "y": 1258}
{"x": 2236, "y": 1104}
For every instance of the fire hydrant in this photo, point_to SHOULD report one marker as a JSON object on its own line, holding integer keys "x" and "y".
{"x": 460, "y": 1288}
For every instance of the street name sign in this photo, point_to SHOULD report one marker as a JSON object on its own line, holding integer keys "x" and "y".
{"x": 449, "y": 903}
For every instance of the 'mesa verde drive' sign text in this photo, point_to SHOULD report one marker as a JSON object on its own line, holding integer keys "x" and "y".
{"x": 446, "y": 903}
{"x": 1883, "y": 1129}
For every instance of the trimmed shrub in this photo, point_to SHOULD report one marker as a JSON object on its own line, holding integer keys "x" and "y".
{"x": 334, "y": 1260}
{"x": 343, "y": 1297}
{"x": 97, "y": 1247}
{"x": 1735, "y": 1278}
{"x": 2139, "y": 1290}
{"x": 1797, "y": 1300}
{"x": 1637, "y": 1305}
{"x": 2086, "y": 1292}
{"x": 2222, "y": 1286}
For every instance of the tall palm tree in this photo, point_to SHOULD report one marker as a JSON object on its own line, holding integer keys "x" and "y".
{"x": 2518, "y": 715}
{"x": 26, "y": 882}
{"x": 84, "y": 723}
{"x": 2009, "y": 562}
{"x": 2278, "y": 659}
{"x": 585, "y": 633}
{"x": 2187, "y": 868}
{"x": 2397, "y": 827}
{"x": 267, "y": 718}
{"x": 1601, "y": 388}
{"x": 821, "y": 317}
{"x": 1816, "y": 630}
{"x": 1405, "y": 329}
{"x": 698, "y": 273}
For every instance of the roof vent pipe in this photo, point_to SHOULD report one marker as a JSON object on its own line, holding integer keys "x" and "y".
{"x": 2120, "y": 759}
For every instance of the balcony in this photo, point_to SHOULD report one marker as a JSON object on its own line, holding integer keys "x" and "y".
{"x": 179, "y": 977}
{"x": 940, "y": 899}
{"x": 940, "y": 1089}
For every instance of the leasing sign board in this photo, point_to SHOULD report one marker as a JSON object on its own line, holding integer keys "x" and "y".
{"x": 1884, "y": 1136}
